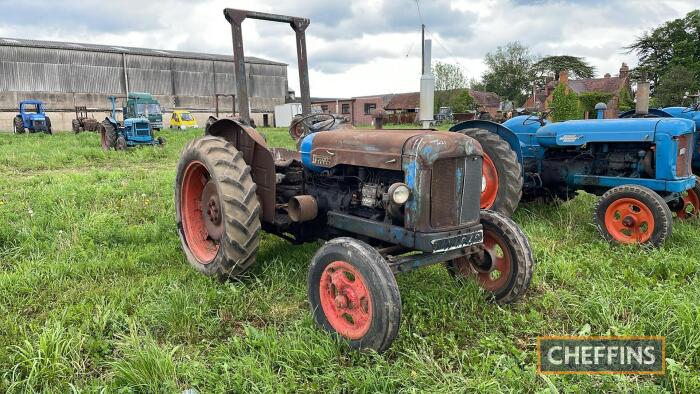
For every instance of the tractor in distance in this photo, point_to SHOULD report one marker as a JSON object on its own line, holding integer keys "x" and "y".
{"x": 32, "y": 118}
{"x": 83, "y": 121}
{"x": 144, "y": 105}
{"x": 641, "y": 168}
{"x": 183, "y": 120}
{"x": 384, "y": 202}
{"x": 132, "y": 132}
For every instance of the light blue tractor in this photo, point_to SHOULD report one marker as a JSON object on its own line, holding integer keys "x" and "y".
{"x": 133, "y": 132}
{"x": 641, "y": 168}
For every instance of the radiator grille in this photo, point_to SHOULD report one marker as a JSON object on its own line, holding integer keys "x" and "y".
{"x": 455, "y": 192}
{"x": 444, "y": 210}
{"x": 685, "y": 155}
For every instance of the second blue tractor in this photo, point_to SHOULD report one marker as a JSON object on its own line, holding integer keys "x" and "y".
{"x": 641, "y": 169}
{"x": 134, "y": 131}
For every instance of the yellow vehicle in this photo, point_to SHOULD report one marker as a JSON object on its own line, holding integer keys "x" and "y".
{"x": 182, "y": 120}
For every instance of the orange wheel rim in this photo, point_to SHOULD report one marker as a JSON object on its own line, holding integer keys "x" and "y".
{"x": 346, "y": 300}
{"x": 629, "y": 221}
{"x": 202, "y": 236}
{"x": 499, "y": 272}
{"x": 490, "y": 183}
{"x": 691, "y": 205}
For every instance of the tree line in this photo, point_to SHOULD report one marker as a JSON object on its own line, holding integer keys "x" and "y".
{"x": 669, "y": 58}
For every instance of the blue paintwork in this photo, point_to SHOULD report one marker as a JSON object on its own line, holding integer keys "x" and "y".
{"x": 535, "y": 140}
{"x": 690, "y": 113}
{"x": 501, "y": 130}
{"x": 29, "y": 119}
{"x": 136, "y": 131}
{"x": 305, "y": 148}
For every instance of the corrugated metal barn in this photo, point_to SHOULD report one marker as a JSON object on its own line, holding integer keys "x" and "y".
{"x": 65, "y": 75}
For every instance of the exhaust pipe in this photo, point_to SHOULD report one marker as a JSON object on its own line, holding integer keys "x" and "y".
{"x": 642, "y": 98}
{"x": 302, "y": 208}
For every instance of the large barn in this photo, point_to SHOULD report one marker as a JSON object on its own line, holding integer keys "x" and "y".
{"x": 65, "y": 75}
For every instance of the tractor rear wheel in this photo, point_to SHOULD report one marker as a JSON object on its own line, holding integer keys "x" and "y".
{"x": 502, "y": 179}
{"x": 353, "y": 294}
{"x": 108, "y": 135}
{"x": 75, "y": 124}
{"x": 18, "y": 125}
{"x": 217, "y": 208}
{"x": 689, "y": 206}
{"x": 504, "y": 270}
{"x": 631, "y": 214}
{"x": 49, "y": 130}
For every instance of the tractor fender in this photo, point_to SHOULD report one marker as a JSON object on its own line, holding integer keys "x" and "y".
{"x": 256, "y": 154}
{"x": 653, "y": 112}
{"x": 507, "y": 134}
{"x": 113, "y": 122}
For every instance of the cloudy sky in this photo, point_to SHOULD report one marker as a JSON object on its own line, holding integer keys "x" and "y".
{"x": 356, "y": 47}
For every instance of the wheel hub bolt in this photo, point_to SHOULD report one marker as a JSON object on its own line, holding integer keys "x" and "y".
{"x": 213, "y": 211}
{"x": 628, "y": 221}
{"x": 341, "y": 301}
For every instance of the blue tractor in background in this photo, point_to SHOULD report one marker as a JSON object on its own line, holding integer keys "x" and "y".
{"x": 641, "y": 168}
{"x": 32, "y": 118}
{"x": 133, "y": 132}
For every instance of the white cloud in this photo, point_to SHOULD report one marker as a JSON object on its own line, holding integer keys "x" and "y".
{"x": 356, "y": 47}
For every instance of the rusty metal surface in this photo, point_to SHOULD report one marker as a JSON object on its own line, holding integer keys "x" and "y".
{"x": 444, "y": 209}
{"x": 684, "y": 157}
{"x": 256, "y": 154}
{"x": 235, "y": 18}
{"x": 364, "y": 147}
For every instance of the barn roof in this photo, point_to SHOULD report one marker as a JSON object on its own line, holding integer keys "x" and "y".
{"x": 17, "y": 42}
{"x": 412, "y": 100}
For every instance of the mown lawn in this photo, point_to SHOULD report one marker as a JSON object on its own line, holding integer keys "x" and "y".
{"x": 95, "y": 295}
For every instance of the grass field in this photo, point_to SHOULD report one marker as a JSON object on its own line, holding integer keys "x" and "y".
{"x": 96, "y": 295}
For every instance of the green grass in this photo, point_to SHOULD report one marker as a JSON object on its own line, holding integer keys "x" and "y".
{"x": 96, "y": 295}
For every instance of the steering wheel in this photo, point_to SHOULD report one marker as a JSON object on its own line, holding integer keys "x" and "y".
{"x": 691, "y": 108}
{"x": 310, "y": 124}
{"x": 535, "y": 118}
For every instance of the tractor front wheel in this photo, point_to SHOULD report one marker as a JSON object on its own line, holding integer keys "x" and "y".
{"x": 631, "y": 214}
{"x": 688, "y": 207}
{"x": 108, "y": 135}
{"x": 504, "y": 269}
{"x": 18, "y": 125}
{"x": 121, "y": 143}
{"x": 353, "y": 294}
{"x": 217, "y": 209}
{"x": 502, "y": 179}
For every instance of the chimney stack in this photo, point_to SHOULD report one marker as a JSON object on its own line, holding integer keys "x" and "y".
{"x": 564, "y": 77}
{"x": 624, "y": 71}
{"x": 607, "y": 75}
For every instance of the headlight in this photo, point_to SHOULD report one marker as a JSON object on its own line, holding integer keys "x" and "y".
{"x": 399, "y": 193}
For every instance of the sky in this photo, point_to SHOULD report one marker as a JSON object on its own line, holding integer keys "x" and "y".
{"x": 356, "y": 47}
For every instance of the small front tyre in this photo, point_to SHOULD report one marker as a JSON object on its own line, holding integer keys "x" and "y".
{"x": 354, "y": 295}
{"x": 688, "y": 207}
{"x": 504, "y": 270}
{"x": 631, "y": 214}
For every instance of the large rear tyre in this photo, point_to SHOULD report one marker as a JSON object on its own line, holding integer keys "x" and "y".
{"x": 504, "y": 270}
{"x": 49, "y": 130}
{"x": 108, "y": 135}
{"x": 631, "y": 214}
{"x": 502, "y": 179}
{"x": 217, "y": 210}
{"x": 689, "y": 205}
{"x": 353, "y": 294}
{"x": 75, "y": 126}
{"x": 18, "y": 126}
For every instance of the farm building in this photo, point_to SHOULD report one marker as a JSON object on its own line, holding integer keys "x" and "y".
{"x": 65, "y": 75}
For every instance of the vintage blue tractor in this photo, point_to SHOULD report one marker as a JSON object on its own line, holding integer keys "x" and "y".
{"x": 133, "y": 132}
{"x": 32, "y": 118}
{"x": 641, "y": 168}
{"x": 692, "y": 113}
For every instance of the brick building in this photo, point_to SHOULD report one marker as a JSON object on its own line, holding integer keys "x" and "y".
{"x": 358, "y": 110}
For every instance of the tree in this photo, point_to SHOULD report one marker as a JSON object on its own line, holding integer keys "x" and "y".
{"x": 553, "y": 65}
{"x": 673, "y": 85}
{"x": 675, "y": 43}
{"x": 450, "y": 81}
{"x": 448, "y": 76}
{"x": 509, "y": 71}
{"x": 565, "y": 104}
{"x": 463, "y": 102}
